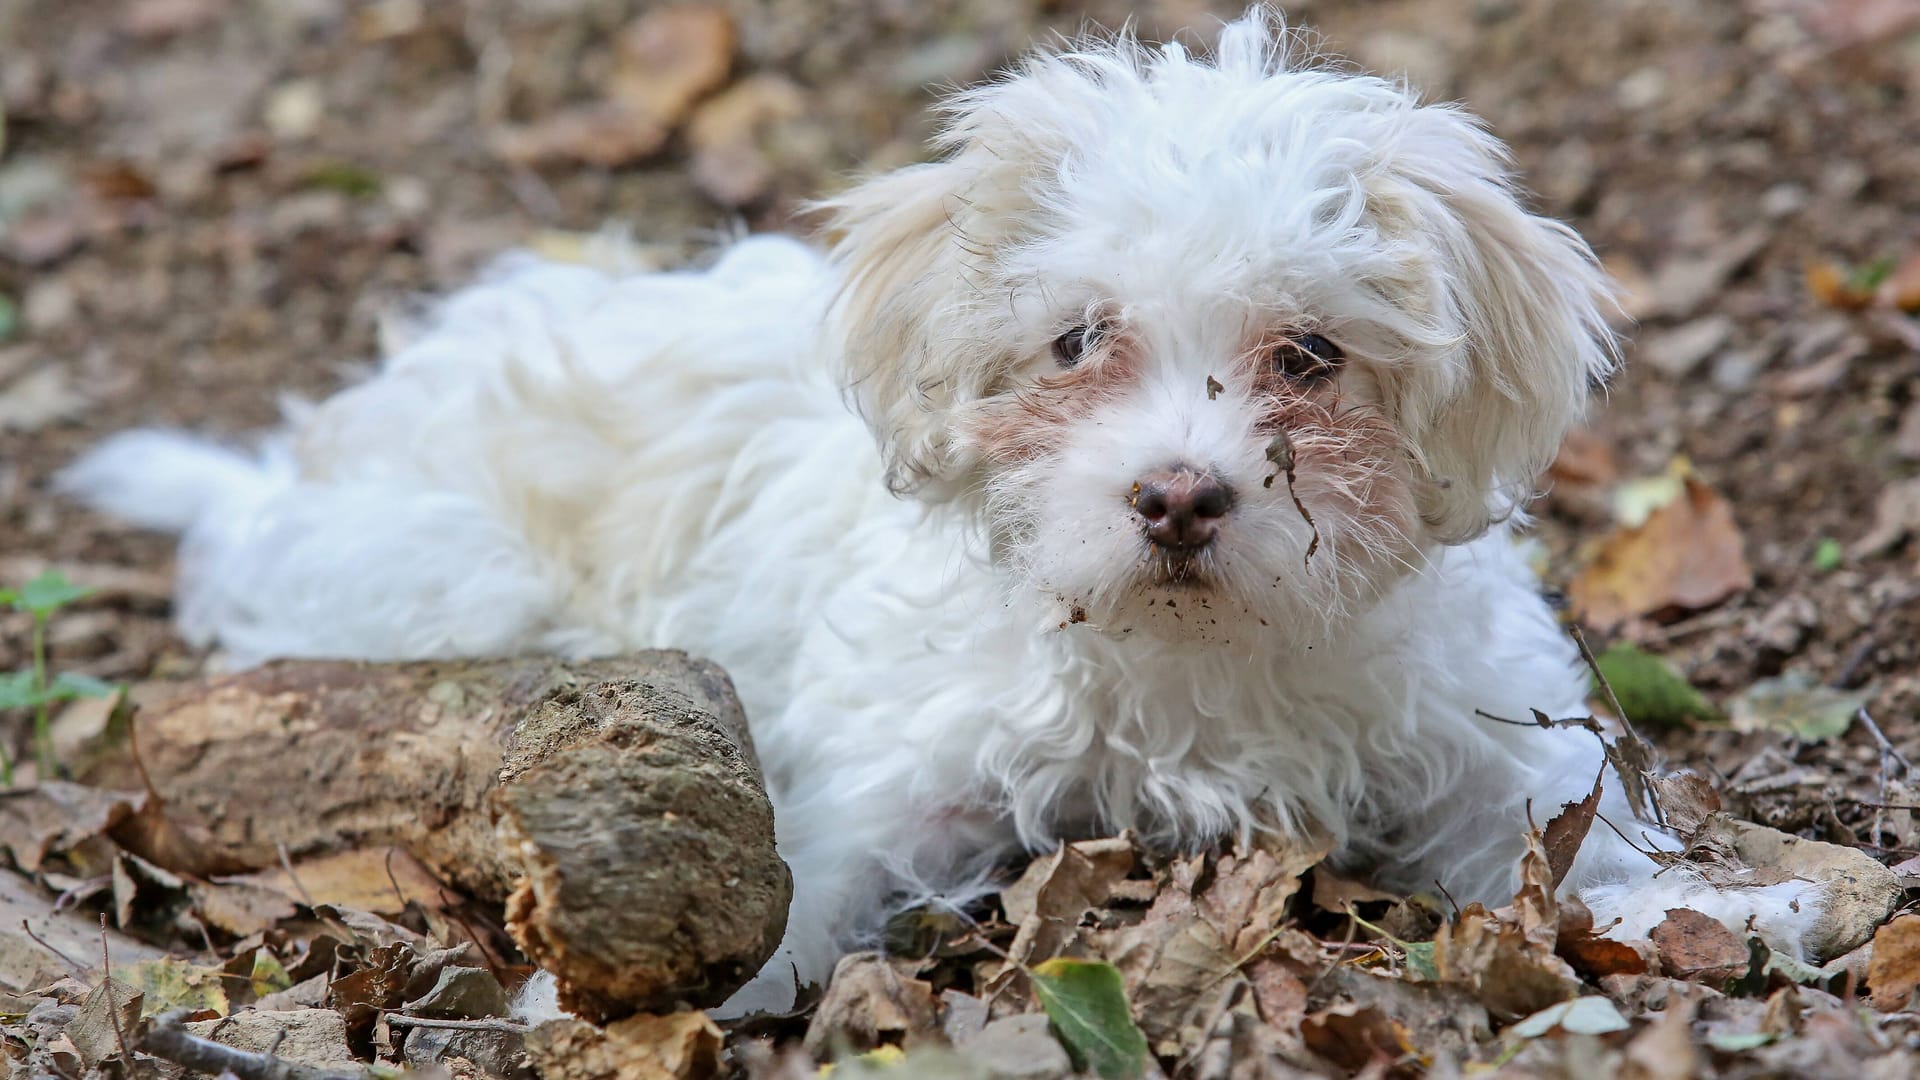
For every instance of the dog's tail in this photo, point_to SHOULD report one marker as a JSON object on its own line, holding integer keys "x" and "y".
{"x": 173, "y": 482}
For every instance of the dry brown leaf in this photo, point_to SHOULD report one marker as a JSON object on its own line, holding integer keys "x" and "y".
{"x": 1893, "y": 971}
{"x": 1697, "y": 948}
{"x": 1354, "y": 1036}
{"x": 1664, "y": 1050}
{"x": 1585, "y": 460}
{"x": 1333, "y": 893}
{"x": 55, "y": 818}
{"x": 1506, "y": 958}
{"x": 677, "y": 1046}
{"x": 1686, "y": 799}
{"x": 727, "y": 135}
{"x": 381, "y": 880}
{"x": 1687, "y": 555}
{"x": 1589, "y": 953}
{"x": 870, "y": 1002}
{"x": 600, "y": 134}
{"x": 1832, "y": 285}
{"x": 1901, "y": 290}
{"x": 1248, "y": 896}
{"x": 1564, "y": 834}
{"x": 670, "y": 58}
{"x": 1052, "y": 896}
{"x": 1896, "y": 516}
{"x": 110, "y": 1014}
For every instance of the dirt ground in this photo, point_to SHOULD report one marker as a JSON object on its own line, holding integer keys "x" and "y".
{"x": 208, "y": 204}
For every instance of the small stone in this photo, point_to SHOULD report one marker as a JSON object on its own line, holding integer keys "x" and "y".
{"x": 49, "y": 305}
{"x": 494, "y": 1053}
{"x": 1782, "y": 200}
{"x": 1784, "y": 627}
{"x": 1859, "y": 891}
{"x": 313, "y": 1036}
{"x": 1018, "y": 1048}
{"x": 293, "y": 110}
{"x": 1735, "y": 369}
{"x": 1906, "y": 439}
{"x": 39, "y": 398}
{"x": 1641, "y": 90}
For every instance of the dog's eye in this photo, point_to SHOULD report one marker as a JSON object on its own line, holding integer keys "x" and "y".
{"x": 1073, "y": 346}
{"x": 1306, "y": 358}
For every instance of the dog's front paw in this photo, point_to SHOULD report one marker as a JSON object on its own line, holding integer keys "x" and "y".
{"x": 1786, "y": 915}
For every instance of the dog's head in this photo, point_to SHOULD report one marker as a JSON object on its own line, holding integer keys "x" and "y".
{"x": 1214, "y": 343}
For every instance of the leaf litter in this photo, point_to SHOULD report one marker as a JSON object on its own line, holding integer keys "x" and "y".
{"x": 1224, "y": 985}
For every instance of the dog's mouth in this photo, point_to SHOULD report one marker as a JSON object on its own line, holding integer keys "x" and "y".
{"x": 1178, "y": 567}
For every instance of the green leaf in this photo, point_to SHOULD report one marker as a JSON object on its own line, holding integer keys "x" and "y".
{"x": 175, "y": 984}
{"x": 1651, "y": 692}
{"x": 1416, "y": 956}
{"x": 1420, "y": 960}
{"x": 1087, "y": 1003}
{"x": 1796, "y": 704}
{"x": 68, "y": 686}
{"x": 9, "y": 317}
{"x": 345, "y": 177}
{"x": 269, "y": 974}
{"x": 1578, "y": 1016}
{"x": 18, "y": 692}
{"x": 48, "y": 593}
{"x": 1828, "y": 555}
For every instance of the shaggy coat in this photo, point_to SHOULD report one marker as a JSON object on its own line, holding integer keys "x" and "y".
{"x": 1148, "y": 461}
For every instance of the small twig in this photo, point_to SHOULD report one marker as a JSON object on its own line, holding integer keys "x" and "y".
{"x": 398, "y": 893}
{"x": 1652, "y": 853}
{"x": 1637, "y": 788}
{"x": 1352, "y": 929}
{"x": 1449, "y": 896}
{"x": 484, "y": 1024}
{"x": 287, "y": 865}
{"x": 1865, "y": 805}
{"x": 1593, "y": 664}
{"x": 42, "y": 942}
{"x": 113, "y": 1006}
{"x": 1887, "y": 754}
{"x": 1280, "y": 453}
{"x": 1542, "y": 720}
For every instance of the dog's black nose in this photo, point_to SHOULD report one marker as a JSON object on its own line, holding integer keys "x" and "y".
{"x": 1182, "y": 507}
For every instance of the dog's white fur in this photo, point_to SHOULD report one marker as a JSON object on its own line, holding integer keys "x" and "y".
{"x": 570, "y": 461}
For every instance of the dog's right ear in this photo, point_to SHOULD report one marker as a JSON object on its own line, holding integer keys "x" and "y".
{"x": 915, "y": 248}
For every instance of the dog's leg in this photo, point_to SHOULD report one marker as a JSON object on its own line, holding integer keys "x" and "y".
{"x": 1476, "y": 845}
{"x": 863, "y": 846}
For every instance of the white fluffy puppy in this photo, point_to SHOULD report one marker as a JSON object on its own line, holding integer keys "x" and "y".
{"x": 1147, "y": 462}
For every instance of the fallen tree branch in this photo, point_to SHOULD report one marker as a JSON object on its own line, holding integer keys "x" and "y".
{"x": 615, "y": 806}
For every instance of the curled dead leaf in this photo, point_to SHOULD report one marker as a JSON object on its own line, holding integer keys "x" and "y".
{"x": 1697, "y": 948}
{"x": 871, "y": 1002}
{"x": 1686, "y": 556}
{"x": 1893, "y": 971}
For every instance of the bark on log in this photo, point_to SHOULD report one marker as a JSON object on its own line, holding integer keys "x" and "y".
{"x": 615, "y": 804}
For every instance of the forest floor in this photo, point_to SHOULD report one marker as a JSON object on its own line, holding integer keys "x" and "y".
{"x": 208, "y": 204}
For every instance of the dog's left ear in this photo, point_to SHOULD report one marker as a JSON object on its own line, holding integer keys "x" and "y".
{"x": 1531, "y": 301}
{"x": 910, "y": 245}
